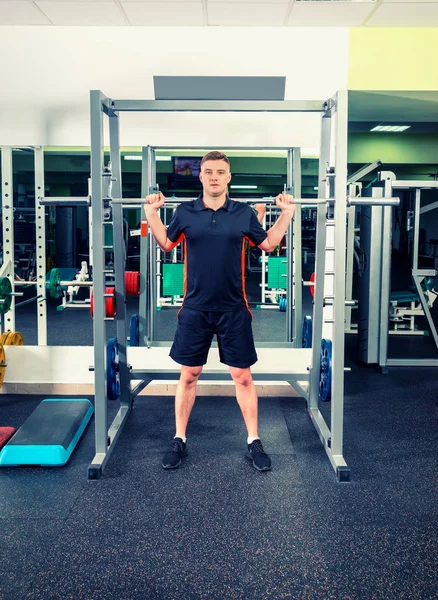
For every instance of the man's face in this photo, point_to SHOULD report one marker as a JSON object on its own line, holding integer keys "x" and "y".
{"x": 215, "y": 176}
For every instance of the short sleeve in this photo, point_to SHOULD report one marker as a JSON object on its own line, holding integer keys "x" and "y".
{"x": 256, "y": 233}
{"x": 174, "y": 229}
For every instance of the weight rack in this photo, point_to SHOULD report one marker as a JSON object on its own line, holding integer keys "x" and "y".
{"x": 329, "y": 299}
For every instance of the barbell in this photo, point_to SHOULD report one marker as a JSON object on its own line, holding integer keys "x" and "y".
{"x": 55, "y": 284}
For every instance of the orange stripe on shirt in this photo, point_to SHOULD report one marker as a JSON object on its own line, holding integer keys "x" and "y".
{"x": 177, "y": 241}
{"x": 243, "y": 276}
{"x": 182, "y": 237}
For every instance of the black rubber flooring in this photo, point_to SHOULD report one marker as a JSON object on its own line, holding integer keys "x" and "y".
{"x": 218, "y": 530}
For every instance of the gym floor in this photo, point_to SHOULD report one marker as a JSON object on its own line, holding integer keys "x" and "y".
{"x": 216, "y": 528}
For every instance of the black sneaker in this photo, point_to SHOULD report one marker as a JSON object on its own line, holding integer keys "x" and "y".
{"x": 260, "y": 460}
{"x": 173, "y": 458}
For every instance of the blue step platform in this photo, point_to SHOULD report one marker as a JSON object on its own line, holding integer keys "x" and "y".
{"x": 49, "y": 435}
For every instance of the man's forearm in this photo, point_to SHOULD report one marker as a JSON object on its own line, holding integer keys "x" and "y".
{"x": 278, "y": 230}
{"x": 156, "y": 226}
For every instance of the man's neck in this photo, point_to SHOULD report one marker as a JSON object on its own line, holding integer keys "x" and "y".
{"x": 214, "y": 202}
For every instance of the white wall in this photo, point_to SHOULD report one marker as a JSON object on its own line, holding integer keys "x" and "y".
{"x": 45, "y": 81}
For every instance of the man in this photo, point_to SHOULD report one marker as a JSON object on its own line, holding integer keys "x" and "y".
{"x": 214, "y": 228}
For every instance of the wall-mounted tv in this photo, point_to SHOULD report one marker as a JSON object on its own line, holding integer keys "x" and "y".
{"x": 186, "y": 166}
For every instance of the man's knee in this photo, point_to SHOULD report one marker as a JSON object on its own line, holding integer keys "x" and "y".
{"x": 190, "y": 375}
{"x": 241, "y": 376}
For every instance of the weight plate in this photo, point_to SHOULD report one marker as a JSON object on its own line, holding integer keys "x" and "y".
{"x": 112, "y": 371}
{"x": 134, "y": 337}
{"x": 5, "y": 294}
{"x": 11, "y": 338}
{"x": 325, "y": 381}
{"x": 3, "y": 361}
{"x": 307, "y": 332}
{"x": 54, "y": 284}
{"x": 312, "y": 287}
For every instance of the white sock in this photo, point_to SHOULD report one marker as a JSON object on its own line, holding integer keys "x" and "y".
{"x": 250, "y": 440}
{"x": 183, "y": 439}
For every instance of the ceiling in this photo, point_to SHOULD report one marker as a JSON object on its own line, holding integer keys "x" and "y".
{"x": 221, "y": 13}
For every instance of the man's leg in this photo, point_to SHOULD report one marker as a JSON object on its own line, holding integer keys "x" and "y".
{"x": 247, "y": 398}
{"x": 184, "y": 401}
{"x": 185, "y": 398}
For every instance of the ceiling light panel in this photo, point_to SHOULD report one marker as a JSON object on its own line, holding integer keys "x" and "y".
{"x": 410, "y": 1}
{"x": 16, "y": 12}
{"x": 166, "y": 14}
{"x": 412, "y": 14}
{"x": 330, "y": 14}
{"x": 77, "y": 12}
{"x": 242, "y": 14}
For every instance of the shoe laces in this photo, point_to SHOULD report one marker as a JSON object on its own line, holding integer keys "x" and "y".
{"x": 177, "y": 445}
{"x": 256, "y": 446}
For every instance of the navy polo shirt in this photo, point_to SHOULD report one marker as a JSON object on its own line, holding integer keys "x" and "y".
{"x": 214, "y": 258}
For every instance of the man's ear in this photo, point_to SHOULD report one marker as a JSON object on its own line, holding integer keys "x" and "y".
{"x": 229, "y": 177}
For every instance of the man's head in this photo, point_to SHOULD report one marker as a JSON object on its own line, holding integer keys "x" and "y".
{"x": 215, "y": 173}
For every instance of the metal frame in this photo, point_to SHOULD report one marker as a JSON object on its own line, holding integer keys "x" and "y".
{"x": 332, "y": 439}
{"x": 8, "y": 320}
{"x": 418, "y": 275}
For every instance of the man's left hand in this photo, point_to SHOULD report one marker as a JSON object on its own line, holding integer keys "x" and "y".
{"x": 286, "y": 203}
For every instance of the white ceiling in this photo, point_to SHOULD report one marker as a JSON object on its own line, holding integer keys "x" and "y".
{"x": 217, "y": 13}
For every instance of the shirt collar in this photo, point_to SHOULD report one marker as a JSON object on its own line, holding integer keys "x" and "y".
{"x": 199, "y": 203}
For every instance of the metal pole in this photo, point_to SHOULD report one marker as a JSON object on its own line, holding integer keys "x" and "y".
{"x": 40, "y": 225}
{"x": 337, "y": 412}
{"x": 351, "y": 217}
{"x": 8, "y": 229}
{"x": 318, "y": 300}
{"x": 119, "y": 263}
{"x": 152, "y": 257}
{"x": 144, "y": 308}
{"x": 385, "y": 275}
{"x": 297, "y": 325}
{"x": 101, "y": 419}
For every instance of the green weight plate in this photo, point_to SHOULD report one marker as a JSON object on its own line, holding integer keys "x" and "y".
{"x": 54, "y": 281}
{"x": 5, "y": 295}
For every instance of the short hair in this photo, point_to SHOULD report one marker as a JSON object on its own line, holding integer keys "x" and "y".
{"x": 215, "y": 155}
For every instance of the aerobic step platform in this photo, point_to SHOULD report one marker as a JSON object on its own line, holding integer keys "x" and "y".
{"x": 49, "y": 435}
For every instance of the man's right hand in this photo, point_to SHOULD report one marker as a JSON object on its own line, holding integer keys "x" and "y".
{"x": 154, "y": 202}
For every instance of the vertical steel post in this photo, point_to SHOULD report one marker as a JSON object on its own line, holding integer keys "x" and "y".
{"x": 295, "y": 328}
{"x": 8, "y": 229}
{"x": 385, "y": 274}
{"x": 144, "y": 307}
{"x": 99, "y": 329}
{"x": 119, "y": 261}
{"x": 40, "y": 225}
{"x": 337, "y": 412}
{"x": 351, "y": 218}
{"x": 318, "y": 300}
{"x": 152, "y": 178}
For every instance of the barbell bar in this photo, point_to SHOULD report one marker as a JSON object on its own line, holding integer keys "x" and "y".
{"x": 134, "y": 202}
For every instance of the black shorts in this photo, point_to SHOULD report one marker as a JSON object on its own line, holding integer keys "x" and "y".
{"x": 195, "y": 332}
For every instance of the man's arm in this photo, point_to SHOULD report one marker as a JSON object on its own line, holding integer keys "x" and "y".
{"x": 278, "y": 230}
{"x": 151, "y": 208}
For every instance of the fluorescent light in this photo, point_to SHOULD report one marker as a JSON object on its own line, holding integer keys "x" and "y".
{"x": 315, "y": 187}
{"x": 138, "y": 157}
{"x": 391, "y": 128}
{"x": 244, "y": 187}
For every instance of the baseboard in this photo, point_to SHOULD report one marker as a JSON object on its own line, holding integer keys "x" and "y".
{"x": 159, "y": 389}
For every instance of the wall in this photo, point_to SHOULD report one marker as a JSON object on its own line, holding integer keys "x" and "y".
{"x": 395, "y": 58}
{"x": 49, "y": 72}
